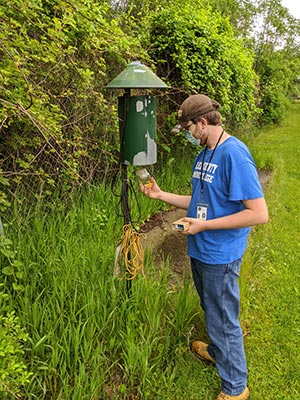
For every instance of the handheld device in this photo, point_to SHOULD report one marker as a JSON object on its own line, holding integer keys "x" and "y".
{"x": 180, "y": 225}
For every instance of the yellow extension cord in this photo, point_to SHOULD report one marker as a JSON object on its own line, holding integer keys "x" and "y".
{"x": 132, "y": 252}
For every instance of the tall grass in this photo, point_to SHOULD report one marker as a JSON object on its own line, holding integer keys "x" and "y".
{"x": 90, "y": 339}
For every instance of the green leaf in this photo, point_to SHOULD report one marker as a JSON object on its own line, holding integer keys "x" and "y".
{"x": 17, "y": 263}
{"x": 8, "y": 270}
{"x": 17, "y": 287}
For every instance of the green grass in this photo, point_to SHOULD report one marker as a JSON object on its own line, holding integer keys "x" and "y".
{"x": 272, "y": 276}
{"x": 90, "y": 340}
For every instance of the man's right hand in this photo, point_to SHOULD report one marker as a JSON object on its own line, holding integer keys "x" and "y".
{"x": 153, "y": 192}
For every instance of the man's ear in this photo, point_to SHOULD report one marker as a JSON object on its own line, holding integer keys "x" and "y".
{"x": 203, "y": 121}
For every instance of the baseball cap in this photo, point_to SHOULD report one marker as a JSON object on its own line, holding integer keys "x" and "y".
{"x": 194, "y": 106}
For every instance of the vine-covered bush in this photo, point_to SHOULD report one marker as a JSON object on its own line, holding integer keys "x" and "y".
{"x": 56, "y": 123}
{"x": 275, "y": 77}
{"x": 196, "y": 50}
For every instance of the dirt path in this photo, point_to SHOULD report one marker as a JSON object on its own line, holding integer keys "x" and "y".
{"x": 166, "y": 244}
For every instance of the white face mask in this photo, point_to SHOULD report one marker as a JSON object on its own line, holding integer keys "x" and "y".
{"x": 191, "y": 138}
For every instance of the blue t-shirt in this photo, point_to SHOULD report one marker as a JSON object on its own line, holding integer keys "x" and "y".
{"x": 229, "y": 178}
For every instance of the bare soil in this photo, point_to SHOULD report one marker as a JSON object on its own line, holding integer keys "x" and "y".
{"x": 166, "y": 244}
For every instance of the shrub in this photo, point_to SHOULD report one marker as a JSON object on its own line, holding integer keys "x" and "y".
{"x": 196, "y": 51}
{"x": 13, "y": 370}
{"x": 57, "y": 125}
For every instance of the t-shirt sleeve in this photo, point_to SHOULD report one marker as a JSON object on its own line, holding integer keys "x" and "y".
{"x": 244, "y": 182}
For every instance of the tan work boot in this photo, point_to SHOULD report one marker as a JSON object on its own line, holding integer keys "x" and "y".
{"x": 243, "y": 396}
{"x": 199, "y": 349}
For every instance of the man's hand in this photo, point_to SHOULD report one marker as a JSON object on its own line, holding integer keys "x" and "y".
{"x": 255, "y": 213}
{"x": 195, "y": 225}
{"x": 152, "y": 191}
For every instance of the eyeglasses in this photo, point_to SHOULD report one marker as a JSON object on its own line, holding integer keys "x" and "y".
{"x": 188, "y": 126}
{"x": 178, "y": 128}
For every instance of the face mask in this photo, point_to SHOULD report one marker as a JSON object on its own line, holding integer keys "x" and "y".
{"x": 190, "y": 138}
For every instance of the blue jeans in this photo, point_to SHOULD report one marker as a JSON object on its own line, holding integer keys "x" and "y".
{"x": 218, "y": 288}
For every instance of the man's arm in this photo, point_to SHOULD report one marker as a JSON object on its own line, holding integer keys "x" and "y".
{"x": 255, "y": 213}
{"x": 154, "y": 192}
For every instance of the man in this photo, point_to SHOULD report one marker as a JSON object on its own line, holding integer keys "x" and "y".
{"x": 226, "y": 201}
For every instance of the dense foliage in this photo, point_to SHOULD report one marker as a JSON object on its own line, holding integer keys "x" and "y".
{"x": 58, "y": 124}
{"x": 195, "y": 49}
{"x": 276, "y": 59}
{"x": 56, "y": 57}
